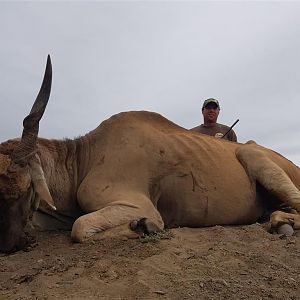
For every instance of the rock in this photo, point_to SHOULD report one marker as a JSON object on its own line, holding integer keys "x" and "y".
{"x": 160, "y": 292}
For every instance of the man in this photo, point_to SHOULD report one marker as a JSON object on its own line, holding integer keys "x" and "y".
{"x": 210, "y": 111}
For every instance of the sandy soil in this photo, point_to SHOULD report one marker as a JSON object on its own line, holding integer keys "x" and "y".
{"x": 242, "y": 262}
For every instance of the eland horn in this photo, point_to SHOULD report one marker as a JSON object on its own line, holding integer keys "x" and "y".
{"x": 27, "y": 147}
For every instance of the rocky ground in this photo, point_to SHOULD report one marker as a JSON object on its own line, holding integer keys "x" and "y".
{"x": 243, "y": 262}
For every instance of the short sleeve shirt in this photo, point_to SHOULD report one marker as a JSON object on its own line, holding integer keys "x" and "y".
{"x": 217, "y": 130}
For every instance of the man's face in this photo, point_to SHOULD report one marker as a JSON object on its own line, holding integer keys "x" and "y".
{"x": 210, "y": 113}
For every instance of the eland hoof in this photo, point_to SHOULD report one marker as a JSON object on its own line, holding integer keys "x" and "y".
{"x": 143, "y": 225}
{"x": 285, "y": 229}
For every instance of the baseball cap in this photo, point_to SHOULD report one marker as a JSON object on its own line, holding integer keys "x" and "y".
{"x": 211, "y": 100}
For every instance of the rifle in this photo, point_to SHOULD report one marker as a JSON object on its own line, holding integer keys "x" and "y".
{"x": 230, "y": 128}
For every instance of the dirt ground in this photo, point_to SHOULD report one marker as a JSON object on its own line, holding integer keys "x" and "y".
{"x": 243, "y": 262}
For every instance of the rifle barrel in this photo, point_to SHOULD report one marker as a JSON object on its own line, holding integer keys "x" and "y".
{"x": 230, "y": 128}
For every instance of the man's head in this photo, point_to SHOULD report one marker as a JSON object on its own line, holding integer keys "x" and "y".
{"x": 210, "y": 110}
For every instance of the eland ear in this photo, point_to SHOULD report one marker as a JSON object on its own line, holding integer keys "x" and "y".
{"x": 39, "y": 182}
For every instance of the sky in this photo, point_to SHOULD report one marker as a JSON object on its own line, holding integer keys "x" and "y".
{"x": 160, "y": 56}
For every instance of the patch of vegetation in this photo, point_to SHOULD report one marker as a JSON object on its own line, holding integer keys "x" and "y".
{"x": 165, "y": 234}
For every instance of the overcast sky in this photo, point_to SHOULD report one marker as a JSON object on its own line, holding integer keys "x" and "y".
{"x": 165, "y": 57}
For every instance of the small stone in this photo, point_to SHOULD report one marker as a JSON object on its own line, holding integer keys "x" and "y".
{"x": 225, "y": 282}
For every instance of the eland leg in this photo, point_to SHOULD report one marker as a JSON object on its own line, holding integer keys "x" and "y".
{"x": 271, "y": 176}
{"x": 118, "y": 218}
{"x": 261, "y": 168}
